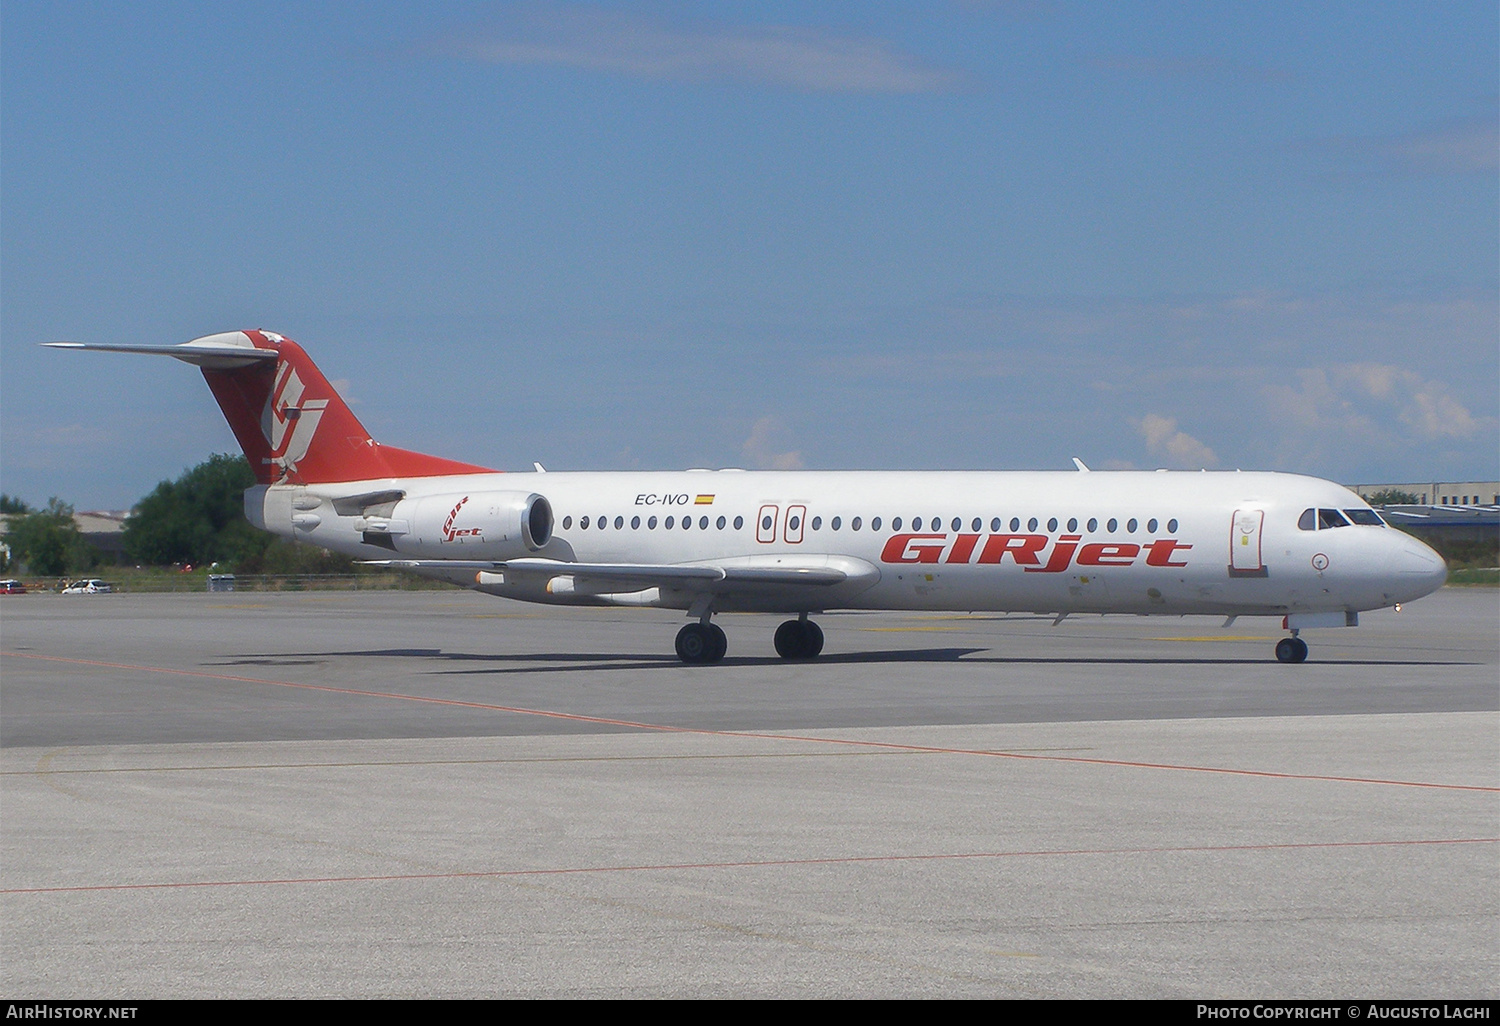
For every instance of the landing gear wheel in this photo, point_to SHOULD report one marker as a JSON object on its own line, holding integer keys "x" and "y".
{"x": 701, "y": 643}
{"x": 799, "y": 639}
{"x": 720, "y": 643}
{"x": 694, "y": 643}
{"x": 1291, "y": 650}
{"x": 812, "y": 636}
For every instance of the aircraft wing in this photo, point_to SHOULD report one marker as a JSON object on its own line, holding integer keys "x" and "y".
{"x": 754, "y": 573}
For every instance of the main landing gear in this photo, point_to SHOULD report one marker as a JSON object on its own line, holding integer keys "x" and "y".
{"x": 1291, "y": 650}
{"x": 704, "y": 641}
{"x": 799, "y": 639}
{"x": 701, "y": 643}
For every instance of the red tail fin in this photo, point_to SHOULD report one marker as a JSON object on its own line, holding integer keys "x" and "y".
{"x": 295, "y": 429}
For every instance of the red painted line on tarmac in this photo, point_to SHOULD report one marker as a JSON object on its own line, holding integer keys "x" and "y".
{"x": 755, "y": 735}
{"x": 754, "y": 864}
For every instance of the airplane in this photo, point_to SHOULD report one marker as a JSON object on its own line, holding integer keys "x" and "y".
{"x": 803, "y": 542}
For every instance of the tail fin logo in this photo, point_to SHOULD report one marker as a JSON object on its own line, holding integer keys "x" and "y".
{"x": 289, "y": 421}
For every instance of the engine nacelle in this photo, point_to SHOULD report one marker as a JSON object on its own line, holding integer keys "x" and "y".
{"x": 472, "y": 525}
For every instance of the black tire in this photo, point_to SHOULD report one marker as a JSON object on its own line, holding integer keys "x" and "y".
{"x": 720, "y": 643}
{"x": 1291, "y": 650}
{"x": 790, "y": 640}
{"x": 813, "y": 639}
{"x": 1301, "y": 654}
{"x": 694, "y": 643}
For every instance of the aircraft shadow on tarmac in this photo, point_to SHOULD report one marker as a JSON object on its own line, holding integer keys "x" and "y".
{"x": 554, "y": 662}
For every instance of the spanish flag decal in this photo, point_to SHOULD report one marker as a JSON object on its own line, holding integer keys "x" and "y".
{"x": 704, "y": 500}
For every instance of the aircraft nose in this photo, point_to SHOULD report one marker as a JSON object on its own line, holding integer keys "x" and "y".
{"x": 1418, "y": 569}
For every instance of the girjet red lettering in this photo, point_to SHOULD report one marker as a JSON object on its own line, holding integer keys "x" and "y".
{"x": 1027, "y": 551}
{"x": 449, "y": 534}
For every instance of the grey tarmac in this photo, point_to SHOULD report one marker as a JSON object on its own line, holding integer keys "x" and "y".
{"x": 441, "y": 794}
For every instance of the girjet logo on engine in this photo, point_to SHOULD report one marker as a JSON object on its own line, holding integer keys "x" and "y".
{"x": 450, "y": 533}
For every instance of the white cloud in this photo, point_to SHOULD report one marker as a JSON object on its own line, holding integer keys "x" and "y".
{"x": 760, "y": 449}
{"x": 1179, "y": 447}
{"x": 790, "y": 56}
{"x": 1461, "y": 146}
{"x": 1363, "y": 404}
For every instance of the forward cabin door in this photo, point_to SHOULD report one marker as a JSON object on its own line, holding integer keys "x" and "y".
{"x": 1244, "y": 544}
{"x": 765, "y": 525}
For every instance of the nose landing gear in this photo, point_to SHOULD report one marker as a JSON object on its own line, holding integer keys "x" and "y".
{"x": 1291, "y": 650}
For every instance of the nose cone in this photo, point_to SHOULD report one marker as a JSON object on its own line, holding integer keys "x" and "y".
{"x": 1415, "y": 568}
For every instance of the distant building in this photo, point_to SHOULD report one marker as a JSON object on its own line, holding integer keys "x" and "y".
{"x": 1440, "y": 493}
{"x": 103, "y": 529}
{"x": 1467, "y": 511}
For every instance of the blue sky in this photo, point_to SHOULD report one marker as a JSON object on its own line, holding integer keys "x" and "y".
{"x": 974, "y": 235}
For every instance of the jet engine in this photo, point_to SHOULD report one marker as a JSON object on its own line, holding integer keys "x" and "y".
{"x": 467, "y": 525}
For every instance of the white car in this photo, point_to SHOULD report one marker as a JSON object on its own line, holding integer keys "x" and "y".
{"x": 92, "y": 586}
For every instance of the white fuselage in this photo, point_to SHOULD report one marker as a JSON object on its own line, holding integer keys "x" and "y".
{"x": 1053, "y": 542}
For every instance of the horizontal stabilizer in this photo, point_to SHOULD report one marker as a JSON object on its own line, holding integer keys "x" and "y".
{"x": 214, "y": 357}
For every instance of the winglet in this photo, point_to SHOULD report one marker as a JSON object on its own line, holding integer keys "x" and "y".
{"x": 1079, "y": 464}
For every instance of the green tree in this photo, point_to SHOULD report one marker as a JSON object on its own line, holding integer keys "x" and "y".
{"x": 198, "y": 518}
{"x": 49, "y": 542}
{"x": 11, "y": 504}
{"x": 1392, "y": 497}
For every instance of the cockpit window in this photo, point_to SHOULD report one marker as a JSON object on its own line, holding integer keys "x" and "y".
{"x": 1330, "y": 518}
{"x": 1308, "y": 521}
{"x": 1365, "y": 517}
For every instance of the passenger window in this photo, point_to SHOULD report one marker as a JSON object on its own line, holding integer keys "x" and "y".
{"x": 854, "y": 524}
{"x": 720, "y": 523}
{"x": 875, "y": 524}
{"x": 703, "y": 523}
{"x": 995, "y": 525}
{"x": 1015, "y": 523}
{"x": 976, "y": 525}
{"x": 792, "y": 524}
{"x": 1052, "y": 524}
{"x": 1093, "y": 523}
{"x": 765, "y": 523}
{"x": 835, "y": 523}
{"x": 567, "y": 523}
{"x": 1151, "y": 525}
{"x": 620, "y": 523}
{"x": 687, "y": 523}
{"x": 635, "y": 523}
{"x": 1330, "y": 518}
{"x": 583, "y": 522}
{"x": 1172, "y": 525}
{"x": 817, "y": 523}
{"x": 1031, "y": 524}
{"x": 739, "y": 522}
{"x": 895, "y": 524}
{"x": 1113, "y": 523}
{"x": 957, "y": 525}
{"x": 1072, "y": 524}
{"x": 669, "y": 523}
{"x": 916, "y": 524}
{"x": 1130, "y": 526}
{"x": 651, "y": 524}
